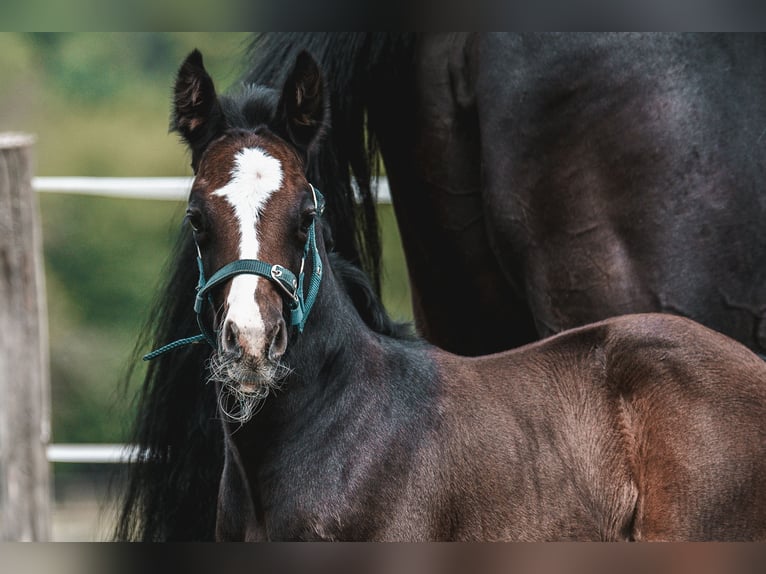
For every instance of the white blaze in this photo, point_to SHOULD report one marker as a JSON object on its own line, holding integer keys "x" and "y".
{"x": 254, "y": 178}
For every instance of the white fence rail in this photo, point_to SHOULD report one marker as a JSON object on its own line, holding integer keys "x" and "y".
{"x": 168, "y": 188}
{"x": 161, "y": 188}
{"x": 95, "y": 453}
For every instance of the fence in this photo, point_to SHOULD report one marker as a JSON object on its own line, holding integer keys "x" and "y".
{"x": 24, "y": 378}
{"x": 159, "y": 188}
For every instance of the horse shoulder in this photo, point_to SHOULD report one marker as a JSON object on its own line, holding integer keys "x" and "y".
{"x": 533, "y": 436}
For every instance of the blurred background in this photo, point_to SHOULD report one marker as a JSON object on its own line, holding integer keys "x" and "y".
{"x": 99, "y": 104}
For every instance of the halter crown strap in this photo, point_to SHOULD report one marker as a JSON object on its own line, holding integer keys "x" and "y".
{"x": 293, "y": 287}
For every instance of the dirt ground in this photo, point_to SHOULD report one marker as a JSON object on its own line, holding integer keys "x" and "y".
{"x": 79, "y": 520}
{"x": 82, "y": 506}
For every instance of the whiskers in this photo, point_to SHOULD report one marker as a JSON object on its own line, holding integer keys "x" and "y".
{"x": 243, "y": 388}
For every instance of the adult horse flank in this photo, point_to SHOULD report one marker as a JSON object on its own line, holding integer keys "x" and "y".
{"x": 337, "y": 426}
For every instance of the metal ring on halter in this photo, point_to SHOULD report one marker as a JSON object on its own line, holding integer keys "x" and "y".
{"x": 276, "y": 274}
{"x": 314, "y": 195}
{"x": 318, "y": 204}
{"x": 303, "y": 264}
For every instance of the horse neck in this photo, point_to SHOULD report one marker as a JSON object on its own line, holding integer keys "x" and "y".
{"x": 340, "y": 360}
{"x": 334, "y": 332}
{"x": 353, "y": 395}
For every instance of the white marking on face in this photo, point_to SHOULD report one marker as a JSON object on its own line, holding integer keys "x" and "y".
{"x": 254, "y": 178}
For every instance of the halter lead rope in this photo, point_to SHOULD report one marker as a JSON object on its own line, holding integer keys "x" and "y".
{"x": 293, "y": 287}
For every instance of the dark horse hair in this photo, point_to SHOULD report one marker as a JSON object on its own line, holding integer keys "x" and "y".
{"x": 349, "y": 62}
{"x": 566, "y": 177}
{"x": 175, "y": 429}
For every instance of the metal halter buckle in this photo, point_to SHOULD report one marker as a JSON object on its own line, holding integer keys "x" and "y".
{"x": 276, "y": 275}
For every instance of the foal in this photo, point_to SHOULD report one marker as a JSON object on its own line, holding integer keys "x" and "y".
{"x": 644, "y": 427}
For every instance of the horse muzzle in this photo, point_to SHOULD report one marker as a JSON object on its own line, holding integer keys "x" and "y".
{"x": 245, "y": 342}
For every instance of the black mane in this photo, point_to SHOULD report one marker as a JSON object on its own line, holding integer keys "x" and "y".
{"x": 357, "y": 285}
{"x": 249, "y": 106}
{"x": 348, "y": 61}
{"x": 176, "y": 423}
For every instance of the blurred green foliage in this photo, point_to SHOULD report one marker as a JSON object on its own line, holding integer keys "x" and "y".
{"x": 99, "y": 102}
{"x": 99, "y": 105}
{"x": 133, "y": 15}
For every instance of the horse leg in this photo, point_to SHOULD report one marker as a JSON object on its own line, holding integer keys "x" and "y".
{"x": 461, "y": 300}
{"x": 236, "y": 518}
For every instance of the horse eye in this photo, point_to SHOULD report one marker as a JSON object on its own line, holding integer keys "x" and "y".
{"x": 194, "y": 217}
{"x": 306, "y": 220}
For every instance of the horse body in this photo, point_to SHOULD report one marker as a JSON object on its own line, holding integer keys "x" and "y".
{"x": 617, "y": 431}
{"x": 568, "y": 178}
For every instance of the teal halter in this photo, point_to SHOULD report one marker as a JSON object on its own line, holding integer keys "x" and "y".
{"x": 292, "y": 287}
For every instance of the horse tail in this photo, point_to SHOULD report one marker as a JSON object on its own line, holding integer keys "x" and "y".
{"x": 350, "y": 62}
{"x": 172, "y": 487}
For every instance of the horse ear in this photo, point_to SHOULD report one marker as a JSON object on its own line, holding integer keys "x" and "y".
{"x": 197, "y": 113}
{"x": 302, "y": 106}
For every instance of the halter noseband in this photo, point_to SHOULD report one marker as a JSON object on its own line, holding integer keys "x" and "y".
{"x": 292, "y": 287}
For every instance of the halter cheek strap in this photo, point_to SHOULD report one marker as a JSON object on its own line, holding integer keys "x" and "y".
{"x": 292, "y": 287}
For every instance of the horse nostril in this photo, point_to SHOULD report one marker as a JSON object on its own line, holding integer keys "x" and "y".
{"x": 278, "y": 341}
{"x": 230, "y": 338}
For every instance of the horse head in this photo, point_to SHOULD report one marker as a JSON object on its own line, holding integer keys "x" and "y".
{"x": 252, "y": 212}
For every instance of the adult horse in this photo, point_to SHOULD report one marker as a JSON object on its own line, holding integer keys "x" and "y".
{"x": 539, "y": 182}
{"x": 642, "y": 427}
{"x": 544, "y": 181}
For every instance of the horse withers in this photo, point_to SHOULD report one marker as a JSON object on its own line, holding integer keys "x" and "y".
{"x": 339, "y": 427}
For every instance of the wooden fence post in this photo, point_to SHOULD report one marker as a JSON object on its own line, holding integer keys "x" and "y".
{"x": 24, "y": 368}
